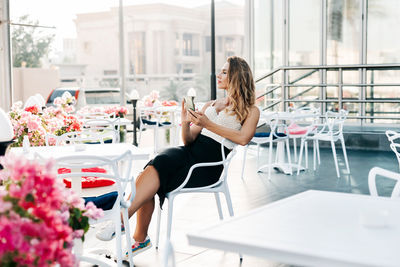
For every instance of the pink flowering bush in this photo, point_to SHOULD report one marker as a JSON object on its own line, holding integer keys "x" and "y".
{"x": 26, "y": 122}
{"x": 152, "y": 99}
{"x": 39, "y": 218}
{"x": 36, "y": 124}
{"x": 66, "y": 102}
{"x": 117, "y": 111}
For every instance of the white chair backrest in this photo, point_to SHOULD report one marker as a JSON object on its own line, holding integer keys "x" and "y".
{"x": 307, "y": 115}
{"x": 277, "y": 126}
{"x": 387, "y": 174}
{"x": 122, "y": 176}
{"x": 103, "y": 125}
{"x": 83, "y": 137}
{"x": 393, "y": 137}
{"x": 334, "y": 121}
{"x": 97, "y": 115}
{"x": 225, "y": 162}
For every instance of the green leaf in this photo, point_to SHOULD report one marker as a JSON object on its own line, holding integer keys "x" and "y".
{"x": 29, "y": 198}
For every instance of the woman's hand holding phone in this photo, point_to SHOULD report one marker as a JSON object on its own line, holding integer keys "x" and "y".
{"x": 189, "y": 104}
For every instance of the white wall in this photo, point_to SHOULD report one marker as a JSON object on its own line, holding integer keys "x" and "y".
{"x": 30, "y": 81}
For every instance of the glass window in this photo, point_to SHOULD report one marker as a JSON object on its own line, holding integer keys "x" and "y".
{"x": 102, "y": 97}
{"x": 343, "y": 32}
{"x": 383, "y": 39}
{"x": 304, "y": 38}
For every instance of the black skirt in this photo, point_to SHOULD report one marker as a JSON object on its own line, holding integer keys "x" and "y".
{"x": 173, "y": 165}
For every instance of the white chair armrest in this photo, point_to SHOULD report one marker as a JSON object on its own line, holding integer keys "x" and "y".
{"x": 385, "y": 173}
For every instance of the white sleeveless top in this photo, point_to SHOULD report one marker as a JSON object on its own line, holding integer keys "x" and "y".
{"x": 224, "y": 119}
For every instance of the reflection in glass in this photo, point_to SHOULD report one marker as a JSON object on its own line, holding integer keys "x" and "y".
{"x": 304, "y": 19}
{"x": 383, "y": 41}
{"x": 343, "y": 32}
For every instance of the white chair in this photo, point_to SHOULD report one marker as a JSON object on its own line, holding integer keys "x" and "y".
{"x": 276, "y": 135}
{"x": 394, "y": 137}
{"x": 103, "y": 125}
{"x": 305, "y": 124}
{"x": 331, "y": 131}
{"x": 221, "y": 186}
{"x": 82, "y": 137}
{"x": 154, "y": 118}
{"x": 123, "y": 180}
{"x": 97, "y": 115}
{"x": 387, "y": 174}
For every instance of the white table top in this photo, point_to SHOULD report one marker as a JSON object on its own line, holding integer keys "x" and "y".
{"x": 94, "y": 122}
{"x": 105, "y": 150}
{"x": 284, "y": 115}
{"x": 313, "y": 228}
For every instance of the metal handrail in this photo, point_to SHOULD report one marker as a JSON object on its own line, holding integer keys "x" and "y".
{"x": 361, "y": 100}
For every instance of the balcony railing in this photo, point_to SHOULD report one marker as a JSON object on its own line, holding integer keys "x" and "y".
{"x": 312, "y": 88}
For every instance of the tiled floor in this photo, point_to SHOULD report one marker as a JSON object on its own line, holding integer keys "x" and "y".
{"x": 195, "y": 211}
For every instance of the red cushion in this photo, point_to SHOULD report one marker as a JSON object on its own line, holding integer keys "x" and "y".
{"x": 88, "y": 181}
{"x": 295, "y": 129}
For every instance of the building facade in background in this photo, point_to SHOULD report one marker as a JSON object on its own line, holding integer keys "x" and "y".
{"x": 168, "y": 48}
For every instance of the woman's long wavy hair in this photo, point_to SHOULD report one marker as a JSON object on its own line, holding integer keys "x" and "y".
{"x": 241, "y": 88}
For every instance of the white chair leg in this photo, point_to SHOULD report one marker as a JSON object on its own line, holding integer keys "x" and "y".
{"x": 244, "y": 159}
{"x": 228, "y": 201}
{"x": 117, "y": 224}
{"x": 158, "y": 226}
{"x": 300, "y": 156}
{"x": 345, "y": 154}
{"x": 270, "y": 160}
{"x": 127, "y": 236}
{"x": 169, "y": 220}
{"x": 221, "y": 215}
{"x": 155, "y": 140}
{"x": 335, "y": 158}
{"x": 288, "y": 155}
{"x": 295, "y": 149}
{"x": 140, "y": 135}
{"x": 319, "y": 158}
{"x": 314, "y": 156}
{"x": 169, "y": 254}
{"x": 306, "y": 153}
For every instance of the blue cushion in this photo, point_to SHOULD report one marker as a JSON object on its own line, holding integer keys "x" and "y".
{"x": 104, "y": 202}
{"x": 148, "y": 122}
{"x": 264, "y": 134}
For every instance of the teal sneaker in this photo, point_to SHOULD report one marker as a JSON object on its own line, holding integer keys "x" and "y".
{"x": 139, "y": 247}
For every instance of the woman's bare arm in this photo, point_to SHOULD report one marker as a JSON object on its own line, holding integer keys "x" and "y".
{"x": 190, "y": 133}
{"x": 241, "y": 137}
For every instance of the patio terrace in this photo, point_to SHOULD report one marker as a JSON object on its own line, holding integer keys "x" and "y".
{"x": 196, "y": 211}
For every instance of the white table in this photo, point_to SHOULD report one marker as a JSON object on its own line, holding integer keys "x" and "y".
{"x": 281, "y": 165}
{"x": 313, "y": 228}
{"x": 104, "y": 150}
{"x": 100, "y": 122}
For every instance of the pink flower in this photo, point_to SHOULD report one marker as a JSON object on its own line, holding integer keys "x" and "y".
{"x": 92, "y": 211}
{"x": 58, "y": 101}
{"x": 40, "y": 233}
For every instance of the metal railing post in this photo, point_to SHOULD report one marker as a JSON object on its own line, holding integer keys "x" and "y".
{"x": 340, "y": 89}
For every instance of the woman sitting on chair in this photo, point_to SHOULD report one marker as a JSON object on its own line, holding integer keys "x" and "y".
{"x": 233, "y": 118}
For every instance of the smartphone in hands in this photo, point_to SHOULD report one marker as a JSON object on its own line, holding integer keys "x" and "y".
{"x": 189, "y": 104}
